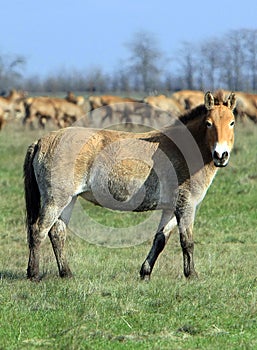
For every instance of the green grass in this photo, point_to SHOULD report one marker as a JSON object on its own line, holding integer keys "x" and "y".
{"x": 105, "y": 305}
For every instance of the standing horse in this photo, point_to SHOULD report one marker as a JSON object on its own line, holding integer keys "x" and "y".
{"x": 168, "y": 170}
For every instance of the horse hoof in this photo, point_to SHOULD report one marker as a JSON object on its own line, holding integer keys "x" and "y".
{"x": 34, "y": 278}
{"x": 145, "y": 278}
{"x": 145, "y": 271}
{"x": 192, "y": 275}
{"x": 66, "y": 274}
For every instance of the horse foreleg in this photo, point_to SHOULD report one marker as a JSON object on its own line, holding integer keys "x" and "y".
{"x": 57, "y": 236}
{"x": 185, "y": 215}
{"x": 157, "y": 247}
{"x": 187, "y": 245}
{"x": 168, "y": 222}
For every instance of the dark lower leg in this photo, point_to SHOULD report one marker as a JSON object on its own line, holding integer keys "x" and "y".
{"x": 34, "y": 249}
{"x": 108, "y": 114}
{"x": 187, "y": 245}
{"x": 57, "y": 236}
{"x": 157, "y": 247}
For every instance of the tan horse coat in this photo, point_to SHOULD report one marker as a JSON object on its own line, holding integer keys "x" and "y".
{"x": 168, "y": 170}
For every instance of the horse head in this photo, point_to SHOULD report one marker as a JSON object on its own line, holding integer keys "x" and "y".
{"x": 220, "y": 123}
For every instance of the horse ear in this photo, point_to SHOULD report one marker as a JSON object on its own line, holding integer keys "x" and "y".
{"x": 209, "y": 100}
{"x": 232, "y": 101}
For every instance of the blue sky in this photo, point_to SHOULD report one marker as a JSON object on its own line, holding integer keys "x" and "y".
{"x": 54, "y": 35}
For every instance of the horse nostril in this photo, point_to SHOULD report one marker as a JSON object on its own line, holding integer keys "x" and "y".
{"x": 216, "y": 155}
{"x": 225, "y": 155}
{"x": 221, "y": 157}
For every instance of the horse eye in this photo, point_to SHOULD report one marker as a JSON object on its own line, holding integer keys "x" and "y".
{"x": 208, "y": 124}
{"x": 232, "y": 123}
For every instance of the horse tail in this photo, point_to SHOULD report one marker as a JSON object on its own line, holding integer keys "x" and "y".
{"x": 32, "y": 194}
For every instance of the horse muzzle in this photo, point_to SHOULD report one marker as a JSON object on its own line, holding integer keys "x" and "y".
{"x": 220, "y": 160}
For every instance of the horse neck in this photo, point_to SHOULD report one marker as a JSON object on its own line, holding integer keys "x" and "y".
{"x": 208, "y": 170}
{"x": 198, "y": 130}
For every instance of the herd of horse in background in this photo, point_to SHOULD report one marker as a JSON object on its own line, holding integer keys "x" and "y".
{"x": 97, "y": 110}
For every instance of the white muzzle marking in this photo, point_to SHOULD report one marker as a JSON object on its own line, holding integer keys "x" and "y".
{"x": 220, "y": 154}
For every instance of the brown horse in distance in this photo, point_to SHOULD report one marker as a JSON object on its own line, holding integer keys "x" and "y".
{"x": 58, "y": 110}
{"x": 111, "y": 104}
{"x": 188, "y": 99}
{"x": 12, "y": 104}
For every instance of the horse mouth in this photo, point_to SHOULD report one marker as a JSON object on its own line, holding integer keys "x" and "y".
{"x": 220, "y": 163}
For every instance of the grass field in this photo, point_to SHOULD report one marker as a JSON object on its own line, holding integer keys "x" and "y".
{"x": 105, "y": 305}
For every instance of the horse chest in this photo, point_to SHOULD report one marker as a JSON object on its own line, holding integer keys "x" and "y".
{"x": 202, "y": 184}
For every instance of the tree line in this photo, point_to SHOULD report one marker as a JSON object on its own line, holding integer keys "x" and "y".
{"x": 228, "y": 62}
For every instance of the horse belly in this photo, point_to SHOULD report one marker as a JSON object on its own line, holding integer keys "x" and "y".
{"x": 120, "y": 190}
{"x": 139, "y": 202}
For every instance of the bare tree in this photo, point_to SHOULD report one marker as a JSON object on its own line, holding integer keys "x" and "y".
{"x": 228, "y": 62}
{"x": 11, "y": 67}
{"x": 187, "y": 64}
{"x": 233, "y": 60}
{"x": 210, "y": 60}
{"x": 97, "y": 80}
{"x": 250, "y": 48}
{"x": 120, "y": 80}
{"x": 145, "y": 60}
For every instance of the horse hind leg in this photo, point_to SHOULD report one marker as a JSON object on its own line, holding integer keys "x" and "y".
{"x": 35, "y": 238}
{"x": 34, "y": 246}
{"x": 37, "y": 232}
{"x": 57, "y": 237}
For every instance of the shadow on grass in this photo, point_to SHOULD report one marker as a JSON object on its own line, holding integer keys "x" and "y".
{"x": 12, "y": 275}
{"x": 22, "y": 276}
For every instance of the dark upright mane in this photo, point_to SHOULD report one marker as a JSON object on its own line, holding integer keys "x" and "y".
{"x": 220, "y": 98}
{"x": 192, "y": 114}
{"x": 201, "y": 110}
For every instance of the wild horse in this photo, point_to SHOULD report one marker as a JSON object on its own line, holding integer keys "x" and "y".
{"x": 168, "y": 170}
